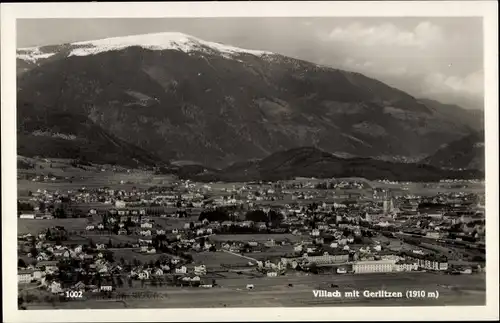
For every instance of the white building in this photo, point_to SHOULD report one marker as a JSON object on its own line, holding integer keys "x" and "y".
{"x": 200, "y": 270}
{"x": 24, "y": 276}
{"x": 374, "y": 266}
{"x": 120, "y": 204}
{"x": 406, "y": 266}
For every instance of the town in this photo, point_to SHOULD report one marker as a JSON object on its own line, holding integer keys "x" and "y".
{"x": 101, "y": 243}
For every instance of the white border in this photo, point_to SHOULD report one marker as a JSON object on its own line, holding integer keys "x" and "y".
{"x": 9, "y": 12}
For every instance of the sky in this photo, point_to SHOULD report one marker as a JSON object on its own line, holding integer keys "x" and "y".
{"x": 435, "y": 58}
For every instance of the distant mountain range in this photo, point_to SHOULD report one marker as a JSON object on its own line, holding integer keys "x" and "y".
{"x": 156, "y": 98}
{"x": 312, "y": 162}
{"x": 467, "y": 153}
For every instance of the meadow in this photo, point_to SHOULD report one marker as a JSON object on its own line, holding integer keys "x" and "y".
{"x": 256, "y": 237}
{"x": 35, "y": 226}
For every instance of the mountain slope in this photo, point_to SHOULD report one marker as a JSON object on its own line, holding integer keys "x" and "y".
{"x": 472, "y": 118}
{"x": 312, "y": 162}
{"x": 467, "y": 152}
{"x": 68, "y": 135}
{"x": 213, "y": 104}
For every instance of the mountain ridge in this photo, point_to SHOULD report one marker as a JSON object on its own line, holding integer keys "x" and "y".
{"x": 216, "y": 109}
{"x": 312, "y": 162}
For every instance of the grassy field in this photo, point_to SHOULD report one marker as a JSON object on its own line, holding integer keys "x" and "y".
{"x": 271, "y": 253}
{"x": 130, "y": 255}
{"x": 98, "y": 238}
{"x": 215, "y": 259}
{"x": 35, "y": 226}
{"x": 257, "y": 237}
{"x": 272, "y": 292}
{"x": 174, "y": 223}
{"x": 91, "y": 177}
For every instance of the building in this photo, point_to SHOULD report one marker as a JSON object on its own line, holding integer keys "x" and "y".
{"x": 24, "y": 276}
{"x": 27, "y": 216}
{"x": 374, "y": 266}
{"x": 106, "y": 287}
{"x": 49, "y": 265}
{"x": 428, "y": 261}
{"x": 200, "y": 270}
{"x": 338, "y": 257}
{"x": 120, "y": 204}
{"x": 55, "y": 287}
{"x": 433, "y": 235}
{"x": 406, "y": 265}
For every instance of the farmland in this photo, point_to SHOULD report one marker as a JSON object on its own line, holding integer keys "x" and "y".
{"x": 256, "y": 237}
{"x": 215, "y": 259}
{"x": 70, "y": 178}
{"x": 271, "y": 292}
{"x": 35, "y": 226}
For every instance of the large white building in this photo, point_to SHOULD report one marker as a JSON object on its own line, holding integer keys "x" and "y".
{"x": 327, "y": 259}
{"x": 24, "y": 276}
{"x": 374, "y": 266}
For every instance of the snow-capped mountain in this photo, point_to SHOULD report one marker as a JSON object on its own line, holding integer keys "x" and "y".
{"x": 33, "y": 56}
{"x": 189, "y": 99}
{"x": 159, "y": 41}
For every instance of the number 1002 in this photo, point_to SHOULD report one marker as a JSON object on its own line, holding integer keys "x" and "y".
{"x": 74, "y": 294}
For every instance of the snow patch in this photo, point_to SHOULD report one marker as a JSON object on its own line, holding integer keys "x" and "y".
{"x": 32, "y": 55}
{"x": 54, "y": 135}
{"x": 159, "y": 41}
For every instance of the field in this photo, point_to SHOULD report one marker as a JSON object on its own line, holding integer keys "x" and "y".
{"x": 92, "y": 177}
{"x": 274, "y": 292}
{"x": 104, "y": 238}
{"x": 35, "y": 226}
{"x": 215, "y": 259}
{"x": 257, "y": 237}
{"x": 174, "y": 223}
{"x": 129, "y": 255}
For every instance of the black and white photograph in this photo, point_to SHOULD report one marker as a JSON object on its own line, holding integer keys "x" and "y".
{"x": 250, "y": 162}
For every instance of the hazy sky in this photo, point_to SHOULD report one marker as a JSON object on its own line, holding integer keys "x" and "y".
{"x": 437, "y": 58}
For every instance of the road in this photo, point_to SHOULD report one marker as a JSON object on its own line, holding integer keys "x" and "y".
{"x": 239, "y": 255}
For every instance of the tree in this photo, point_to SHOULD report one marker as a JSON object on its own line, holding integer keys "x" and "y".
{"x": 217, "y": 215}
{"x": 313, "y": 268}
{"x": 275, "y": 217}
{"x": 60, "y": 213}
{"x": 33, "y": 252}
{"x": 256, "y": 216}
{"x": 21, "y": 263}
